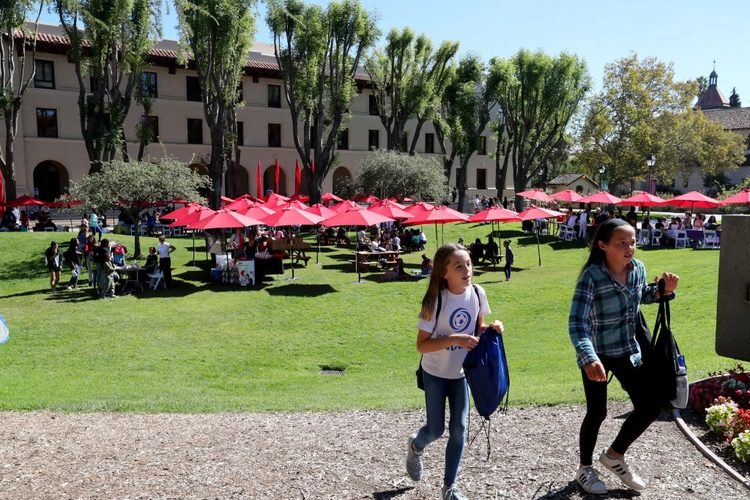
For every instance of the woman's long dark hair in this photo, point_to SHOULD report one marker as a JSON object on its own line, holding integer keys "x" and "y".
{"x": 604, "y": 234}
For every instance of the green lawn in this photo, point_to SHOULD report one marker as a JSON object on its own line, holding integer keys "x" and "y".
{"x": 202, "y": 347}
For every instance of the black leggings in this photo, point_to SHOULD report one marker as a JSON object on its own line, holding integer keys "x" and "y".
{"x": 645, "y": 408}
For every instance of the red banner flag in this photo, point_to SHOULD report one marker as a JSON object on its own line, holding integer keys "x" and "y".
{"x": 258, "y": 180}
{"x": 313, "y": 167}
{"x": 278, "y": 173}
{"x": 297, "y": 178}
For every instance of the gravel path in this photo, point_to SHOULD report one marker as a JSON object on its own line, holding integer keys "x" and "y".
{"x": 350, "y": 455}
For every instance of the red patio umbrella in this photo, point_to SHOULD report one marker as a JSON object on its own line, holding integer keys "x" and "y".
{"x": 181, "y": 212}
{"x": 199, "y": 213}
{"x": 226, "y": 200}
{"x": 291, "y": 216}
{"x": 567, "y": 195}
{"x": 495, "y": 214}
{"x": 365, "y": 198}
{"x": 419, "y": 207}
{"x": 320, "y": 210}
{"x": 601, "y": 197}
{"x": 256, "y": 211}
{"x": 643, "y": 199}
{"x": 534, "y": 212}
{"x": 439, "y": 215}
{"x": 390, "y": 209}
{"x": 294, "y": 204}
{"x": 25, "y": 201}
{"x": 326, "y": 197}
{"x": 273, "y": 200}
{"x": 693, "y": 199}
{"x": 224, "y": 219}
{"x": 741, "y": 198}
{"x": 345, "y": 206}
{"x": 534, "y": 194}
{"x": 299, "y": 197}
{"x": 390, "y": 201}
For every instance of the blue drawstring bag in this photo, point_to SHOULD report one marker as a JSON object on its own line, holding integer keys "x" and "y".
{"x": 4, "y": 332}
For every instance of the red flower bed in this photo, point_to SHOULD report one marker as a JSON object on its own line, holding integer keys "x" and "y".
{"x": 734, "y": 384}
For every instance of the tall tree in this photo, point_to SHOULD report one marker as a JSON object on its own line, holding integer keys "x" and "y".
{"x": 109, "y": 43}
{"x": 642, "y": 110}
{"x": 408, "y": 77}
{"x": 538, "y": 94}
{"x": 218, "y": 35}
{"x": 136, "y": 186}
{"x": 319, "y": 53}
{"x": 702, "y": 83}
{"x": 468, "y": 100}
{"x": 17, "y": 69}
{"x": 734, "y": 99}
{"x": 391, "y": 173}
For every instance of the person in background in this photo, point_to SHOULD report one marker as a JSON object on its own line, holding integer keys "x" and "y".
{"x": 118, "y": 253}
{"x": 711, "y": 225}
{"x": 95, "y": 229}
{"x": 687, "y": 222}
{"x": 73, "y": 257}
{"x": 632, "y": 217}
{"x": 164, "y": 250}
{"x": 237, "y": 244}
{"x": 698, "y": 222}
{"x": 54, "y": 265}
{"x": 491, "y": 252}
{"x": 24, "y": 219}
{"x": 509, "y": 259}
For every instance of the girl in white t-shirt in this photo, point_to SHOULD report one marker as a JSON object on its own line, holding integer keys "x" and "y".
{"x": 444, "y": 342}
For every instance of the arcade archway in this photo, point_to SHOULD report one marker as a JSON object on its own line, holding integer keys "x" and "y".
{"x": 51, "y": 180}
{"x": 341, "y": 177}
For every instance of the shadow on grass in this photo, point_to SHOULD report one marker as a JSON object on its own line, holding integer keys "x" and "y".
{"x": 29, "y": 269}
{"x": 301, "y": 290}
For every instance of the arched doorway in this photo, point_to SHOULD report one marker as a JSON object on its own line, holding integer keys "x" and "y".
{"x": 269, "y": 180}
{"x": 242, "y": 180}
{"x": 51, "y": 180}
{"x": 202, "y": 170}
{"x": 341, "y": 177}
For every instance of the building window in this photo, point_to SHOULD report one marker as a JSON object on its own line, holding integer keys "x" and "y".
{"x": 342, "y": 141}
{"x": 153, "y": 125}
{"x": 274, "y": 135}
{"x": 46, "y": 122}
{"x": 44, "y": 76}
{"x": 482, "y": 146}
{"x": 429, "y": 143}
{"x": 148, "y": 84}
{"x": 195, "y": 131}
{"x": 373, "y": 140}
{"x": 481, "y": 178}
{"x": 240, "y": 133}
{"x": 274, "y": 96}
{"x": 193, "y": 88}
{"x": 373, "y": 105}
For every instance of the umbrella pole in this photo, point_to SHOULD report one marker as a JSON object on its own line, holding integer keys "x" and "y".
{"x": 538, "y": 249}
{"x": 317, "y": 252}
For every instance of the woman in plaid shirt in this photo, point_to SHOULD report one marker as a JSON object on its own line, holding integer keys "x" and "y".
{"x": 602, "y": 326}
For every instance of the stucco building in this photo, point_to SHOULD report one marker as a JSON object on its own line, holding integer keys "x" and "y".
{"x": 50, "y": 151}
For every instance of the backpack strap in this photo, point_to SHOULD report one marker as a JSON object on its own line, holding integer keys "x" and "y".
{"x": 479, "y": 308}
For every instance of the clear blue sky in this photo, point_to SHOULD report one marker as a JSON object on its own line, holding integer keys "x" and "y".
{"x": 689, "y": 33}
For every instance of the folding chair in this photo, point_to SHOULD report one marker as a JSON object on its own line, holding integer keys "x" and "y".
{"x": 711, "y": 239}
{"x": 656, "y": 238}
{"x": 156, "y": 278}
{"x": 681, "y": 239}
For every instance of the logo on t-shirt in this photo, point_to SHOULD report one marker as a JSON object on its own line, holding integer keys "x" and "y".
{"x": 460, "y": 320}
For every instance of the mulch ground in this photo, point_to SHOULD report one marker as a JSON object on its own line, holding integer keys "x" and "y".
{"x": 348, "y": 455}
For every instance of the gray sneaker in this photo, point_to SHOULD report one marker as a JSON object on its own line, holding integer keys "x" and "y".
{"x": 413, "y": 461}
{"x": 453, "y": 493}
{"x": 622, "y": 471}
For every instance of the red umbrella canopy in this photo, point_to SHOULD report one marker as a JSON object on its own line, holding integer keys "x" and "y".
{"x": 741, "y": 198}
{"x": 390, "y": 209}
{"x": 693, "y": 199}
{"x": 495, "y": 214}
{"x": 438, "y": 215}
{"x": 357, "y": 217}
{"x": 390, "y": 202}
{"x": 294, "y": 204}
{"x": 320, "y": 210}
{"x": 365, "y": 198}
{"x": 256, "y": 211}
{"x": 419, "y": 207}
{"x": 226, "y": 200}
{"x": 224, "y": 218}
{"x": 644, "y": 199}
{"x": 181, "y": 212}
{"x": 196, "y": 215}
{"x": 25, "y": 201}
{"x": 291, "y": 216}
{"x": 65, "y": 201}
{"x": 345, "y": 206}
{"x": 601, "y": 197}
{"x": 534, "y": 212}
{"x": 567, "y": 195}
{"x": 330, "y": 197}
{"x": 534, "y": 194}
{"x": 300, "y": 197}
{"x": 274, "y": 200}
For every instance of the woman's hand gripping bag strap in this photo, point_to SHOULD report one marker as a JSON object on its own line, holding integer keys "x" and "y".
{"x": 665, "y": 365}
{"x": 486, "y": 371}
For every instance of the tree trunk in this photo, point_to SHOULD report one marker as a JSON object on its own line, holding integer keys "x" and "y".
{"x": 216, "y": 172}
{"x": 9, "y": 170}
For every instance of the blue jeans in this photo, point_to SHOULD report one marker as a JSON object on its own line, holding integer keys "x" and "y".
{"x": 436, "y": 390}
{"x": 74, "y": 278}
{"x": 507, "y": 269}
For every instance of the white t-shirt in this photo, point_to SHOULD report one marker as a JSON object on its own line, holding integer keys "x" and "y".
{"x": 163, "y": 250}
{"x": 458, "y": 314}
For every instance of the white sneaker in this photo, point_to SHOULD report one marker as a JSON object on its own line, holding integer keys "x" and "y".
{"x": 622, "y": 471}
{"x": 413, "y": 461}
{"x": 589, "y": 480}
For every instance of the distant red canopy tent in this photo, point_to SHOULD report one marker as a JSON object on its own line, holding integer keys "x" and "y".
{"x": 741, "y": 198}
{"x": 601, "y": 197}
{"x": 567, "y": 195}
{"x": 534, "y": 194}
{"x": 25, "y": 201}
{"x": 693, "y": 199}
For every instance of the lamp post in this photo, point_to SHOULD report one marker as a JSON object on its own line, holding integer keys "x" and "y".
{"x": 602, "y": 169}
{"x": 650, "y": 160}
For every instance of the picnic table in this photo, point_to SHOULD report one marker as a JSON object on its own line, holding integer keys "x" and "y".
{"x": 296, "y": 248}
{"x": 367, "y": 260}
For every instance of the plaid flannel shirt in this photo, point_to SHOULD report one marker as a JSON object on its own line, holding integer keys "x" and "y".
{"x": 604, "y": 311}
